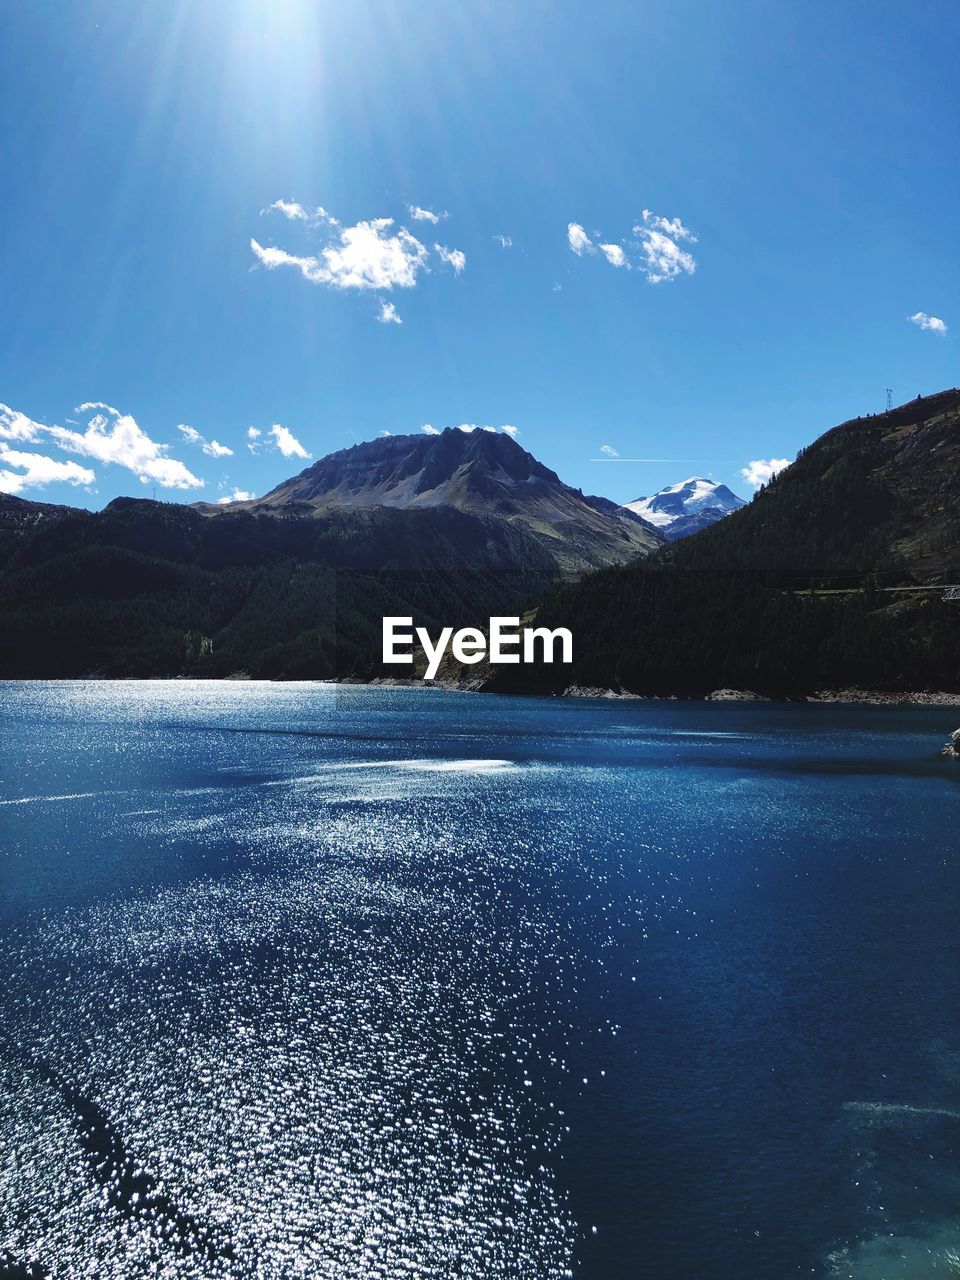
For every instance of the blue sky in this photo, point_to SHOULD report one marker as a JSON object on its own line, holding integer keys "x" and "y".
{"x": 797, "y": 164}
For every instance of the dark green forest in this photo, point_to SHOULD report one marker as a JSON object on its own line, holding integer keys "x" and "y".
{"x": 151, "y": 589}
{"x": 661, "y": 630}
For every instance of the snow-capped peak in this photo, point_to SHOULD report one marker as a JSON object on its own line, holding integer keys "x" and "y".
{"x": 694, "y": 497}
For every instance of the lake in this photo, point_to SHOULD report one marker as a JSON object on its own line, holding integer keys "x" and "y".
{"x": 304, "y": 980}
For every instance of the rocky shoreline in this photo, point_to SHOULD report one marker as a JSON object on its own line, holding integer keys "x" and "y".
{"x": 480, "y": 684}
{"x": 888, "y": 699}
{"x": 866, "y": 697}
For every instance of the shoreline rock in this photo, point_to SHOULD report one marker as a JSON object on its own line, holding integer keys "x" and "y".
{"x": 952, "y": 749}
{"x": 586, "y": 691}
{"x": 863, "y": 697}
{"x": 479, "y": 684}
{"x": 874, "y": 698}
{"x": 736, "y": 695}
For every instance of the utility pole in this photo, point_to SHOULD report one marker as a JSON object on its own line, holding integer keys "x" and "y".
{"x": 889, "y": 398}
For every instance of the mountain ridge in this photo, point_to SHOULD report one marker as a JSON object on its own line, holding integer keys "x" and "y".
{"x": 479, "y": 473}
{"x": 879, "y": 493}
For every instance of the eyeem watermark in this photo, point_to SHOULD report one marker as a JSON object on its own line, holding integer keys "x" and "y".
{"x": 507, "y": 643}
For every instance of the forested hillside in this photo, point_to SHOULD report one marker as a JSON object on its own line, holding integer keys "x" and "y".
{"x": 155, "y": 589}
{"x": 834, "y": 575}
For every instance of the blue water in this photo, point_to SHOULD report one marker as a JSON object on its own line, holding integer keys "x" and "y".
{"x": 355, "y": 982}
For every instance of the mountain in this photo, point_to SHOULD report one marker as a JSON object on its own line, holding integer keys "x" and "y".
{"x": 479, "y": 473}
{"x": 453, "y": 529}
{"x": 879, "y": 494}
{"x": 833, "y": 576}
{"x": 685, "y": 508}
{"x": 20, "y": 513}
{"x": 19, "y": 518}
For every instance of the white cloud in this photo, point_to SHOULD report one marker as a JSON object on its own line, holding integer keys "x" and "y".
{"x": 374, "y": 254}
{"x": 278, "y": 437}
{"x": 369, "y": 258}
{"x": 238, "y": 495}
{"x": 658, "y": 243}
{"x": 578, "y": 239}
{"x": 424, "y": 215}
{"x": 190, "y": 434}
{"x": 366, "y": 256}
{"x": 388, "y": 313}
{"x": 663, "y": 259}
{"x": 671, "y": 227}
{"x": 609, "y": 452}
{"x": 762, "y": 471}
{"x": 110, "y": 437}
{"x": 455, "y": 257}
{"x": 428, "y": 430}
{"x": 614, "y": 255}
{"x": 34, "y": 470}
{"x": 287, "y": 442}
{"x": 212, "y": 448}
{"x": 270, "y": 257}
{"x": 289, "y": 209}
{"x": 115, "y": 437}
{"x": 933, "y": 323}
{"x": 297, "y": 213}
{"x": 15, "y": 425}
{"x": 505, "y": 242}
{"x": 509, "y": 430}
{"x": 385, "y": 435}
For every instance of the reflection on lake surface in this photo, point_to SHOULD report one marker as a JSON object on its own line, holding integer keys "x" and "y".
{"x": 355, "y": 982}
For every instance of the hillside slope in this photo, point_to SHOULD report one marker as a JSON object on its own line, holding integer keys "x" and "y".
{"x": 833, "y": 576}
{"x": 876, "y": 494}
{"x": 148, "y": 588}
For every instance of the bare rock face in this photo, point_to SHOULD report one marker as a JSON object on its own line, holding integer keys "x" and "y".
{"x": 952, "y": 748}
{"x": 479, "y": 473}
